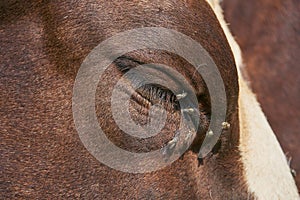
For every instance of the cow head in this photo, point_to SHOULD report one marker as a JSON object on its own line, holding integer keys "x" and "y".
{"x": 50, "y": 40}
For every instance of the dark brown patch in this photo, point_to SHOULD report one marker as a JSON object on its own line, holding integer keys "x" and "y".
{"x": 41, "y": 51}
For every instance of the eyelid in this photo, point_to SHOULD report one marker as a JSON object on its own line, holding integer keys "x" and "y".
{"x": 125, "y": 63}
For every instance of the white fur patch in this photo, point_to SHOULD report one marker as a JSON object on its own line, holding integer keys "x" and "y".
{"x": 266, "y": 170}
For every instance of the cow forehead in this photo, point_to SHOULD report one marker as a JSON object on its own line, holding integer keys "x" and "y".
{"x": 80, "y": 27}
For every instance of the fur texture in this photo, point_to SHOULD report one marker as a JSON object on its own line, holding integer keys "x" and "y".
{"x": 266, "y": 170}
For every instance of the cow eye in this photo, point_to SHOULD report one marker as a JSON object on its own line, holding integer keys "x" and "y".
{"x": 149, "y": 93}
{"x": 144, "y": 96}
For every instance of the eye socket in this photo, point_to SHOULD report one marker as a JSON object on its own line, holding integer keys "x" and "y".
{"x": 151, "y": 94}
{"x": 147, "y": 95}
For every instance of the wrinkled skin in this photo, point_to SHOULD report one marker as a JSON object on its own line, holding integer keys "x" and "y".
{"x": 43, "y": 44}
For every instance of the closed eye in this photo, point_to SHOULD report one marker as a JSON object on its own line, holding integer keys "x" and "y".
{"x": 150, "y": 94}
{"x": 153, "y": 93}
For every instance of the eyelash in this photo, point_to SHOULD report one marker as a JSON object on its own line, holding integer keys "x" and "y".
{"x": 154, "y": 92}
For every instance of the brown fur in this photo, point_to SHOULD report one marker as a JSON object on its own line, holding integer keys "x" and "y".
{"x": 42, "y": 46}
{"x": 268, "y": 33}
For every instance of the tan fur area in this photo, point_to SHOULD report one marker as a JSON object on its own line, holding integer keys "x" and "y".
{"x": 266, "y": 168}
